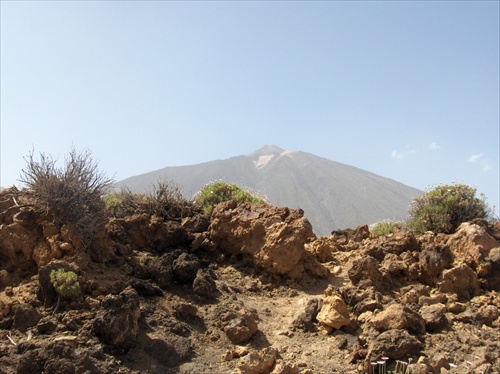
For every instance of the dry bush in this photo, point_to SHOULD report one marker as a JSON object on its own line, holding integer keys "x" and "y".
{"x": 70, "y": 195}
{"x": 166, "y": 201}
{"x": 124, "y": 203}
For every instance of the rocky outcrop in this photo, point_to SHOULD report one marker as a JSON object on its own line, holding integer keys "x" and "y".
{"x": 272, "y": 237}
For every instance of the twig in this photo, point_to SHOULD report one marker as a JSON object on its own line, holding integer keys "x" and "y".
{"x": 10, "y": 339}
{"x": 57, "y": 305}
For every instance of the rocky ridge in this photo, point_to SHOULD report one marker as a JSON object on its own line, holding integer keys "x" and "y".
{"x": 250, "y": 289}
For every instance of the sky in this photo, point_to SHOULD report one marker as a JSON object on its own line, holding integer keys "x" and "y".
{"x": 406, "y": 90}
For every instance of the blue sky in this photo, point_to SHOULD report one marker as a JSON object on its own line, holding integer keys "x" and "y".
{"x": 407, "y": 90}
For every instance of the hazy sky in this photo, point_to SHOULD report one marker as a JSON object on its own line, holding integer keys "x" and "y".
{"x": 407, "y": 90}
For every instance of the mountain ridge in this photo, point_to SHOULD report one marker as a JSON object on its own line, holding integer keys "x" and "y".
{"x": 333, "y": 195}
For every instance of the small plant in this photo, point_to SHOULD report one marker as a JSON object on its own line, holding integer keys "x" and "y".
{"x": 65, "y": 283}
{"x": 217, "y": 192}
{"x": 383, "y": 228}
{"x": 402, "y": 367}
{"x": 443, "y": 208}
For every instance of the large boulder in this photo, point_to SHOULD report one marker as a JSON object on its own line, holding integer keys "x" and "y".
{"x": 117, "y": 322}
{"x": 204, "y": 284}
{"x": 398, "y": 243}
{"x": 151, "y": 232}
{"x": 471, "y": 244}
{"x": 432, "y": 261}
{"x": 394, "y": 344}
{"x": 460, "y": 280}
{"x": 273, "y": 237}
{"x": 323, "y": 248}
{"x": 161, "y": 269}
{"x": 305, "y": 320}
{"x": 398, "y": 316}
{"x": 185, "y": 267}
{"x": 364, "y": 273}
{"x": 434, "y": 317}
{"x": 261, "y": 362}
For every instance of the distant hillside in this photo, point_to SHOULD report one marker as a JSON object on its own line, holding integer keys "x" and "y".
{"x": 332, "y": 195}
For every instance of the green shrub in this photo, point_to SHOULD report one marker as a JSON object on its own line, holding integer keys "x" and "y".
{"x": 443, "y": 208}
{"x": 65, "y": 283}
{"x": 385, "y": 227}
{"x": 216, "y": 192}
{"x": 72, "y": 194}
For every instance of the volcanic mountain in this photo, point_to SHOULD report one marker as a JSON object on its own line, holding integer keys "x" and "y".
{"x": 332, "y": 195}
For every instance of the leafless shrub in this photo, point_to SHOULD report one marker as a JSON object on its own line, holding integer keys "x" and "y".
{"x": 72, "y": 194}
{"x": 166, "y": 200}
{"x": 124, "y": 203}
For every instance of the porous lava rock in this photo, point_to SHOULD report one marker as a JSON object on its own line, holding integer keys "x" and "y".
{"x": 364, "y": 273}
{"x": 460, "y": 280}
{"x": 239, "y": 325}
{"x": 471, "y": 244}
{"x": 274, "y": 237}
{"x": 394, "y": 344}
{"x": 398, "y": 316}
{"x": 259, "y": 362}
{"x": 434, "y": 317}
{"x": 333, "y": 313}
{"x": 204, "y": 284}
{"x": 116, "y": 323}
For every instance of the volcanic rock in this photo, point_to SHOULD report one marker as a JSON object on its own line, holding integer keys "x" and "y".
{"x": 116, "y": 323}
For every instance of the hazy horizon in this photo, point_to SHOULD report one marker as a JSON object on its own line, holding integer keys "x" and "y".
{"x": 406, "y": 90}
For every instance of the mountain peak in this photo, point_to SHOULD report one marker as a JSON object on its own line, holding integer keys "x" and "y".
{"x": 264, "y": 155}
{"x": 267, "y": 150}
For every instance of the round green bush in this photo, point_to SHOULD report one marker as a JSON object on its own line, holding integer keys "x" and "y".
{"x": 385, "y": 227}
{"x": 443, "y": 208}
{"x": 65, "y": 283}
{"x": 217, "y": 192}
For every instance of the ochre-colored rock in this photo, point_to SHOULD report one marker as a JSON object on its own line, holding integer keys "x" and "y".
{"x": 471, "y": 244}
{"x": 333, "y": 313}
{"x": 274, "y": 237}
{"x": 398, "y": 316}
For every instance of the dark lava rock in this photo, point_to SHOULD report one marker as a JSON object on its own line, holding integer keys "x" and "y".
{"x": 305, "y": 321}
{"x": 185, "y": 267}
{"x": 25, "y": 316}
{"x": 117, "y": 323}
{"x": 435, "y": 319}
{"x": 395, "y": 344}
{"x": 204, "y": 285}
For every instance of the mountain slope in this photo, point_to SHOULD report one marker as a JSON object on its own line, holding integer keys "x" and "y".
{"x": 332, "y": 195}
